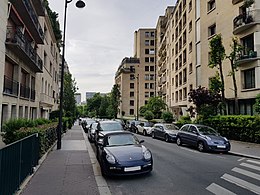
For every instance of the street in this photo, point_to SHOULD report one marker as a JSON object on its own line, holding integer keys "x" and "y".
{"x": 184, "y": 170}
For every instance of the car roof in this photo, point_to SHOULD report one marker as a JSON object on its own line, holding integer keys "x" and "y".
{"x": 106, "y": 133}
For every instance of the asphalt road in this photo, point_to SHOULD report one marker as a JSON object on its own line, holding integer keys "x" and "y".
{"x": 184, "y": 170}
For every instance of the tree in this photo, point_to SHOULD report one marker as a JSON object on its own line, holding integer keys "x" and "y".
{"x": 115, "y": 99}
{"x": 257, "y": 104}
{"x": 69, "y": 102}
{"x": 148, "y": 115}
{"x": 156, "y": 105}
{"x": 103, "y": 108}
{"x": 217, "y": 55}
{"x": 236, "y": 48}
{"x": 206, "y": 101}
{"x": 93, "y": 105}
{"x": 167, "y": 117}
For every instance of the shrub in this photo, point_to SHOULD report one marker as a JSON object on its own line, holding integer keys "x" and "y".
{"x": 148, "y": 115}
{"x": 167, "y": 117}
{"x": 184, "y": 120}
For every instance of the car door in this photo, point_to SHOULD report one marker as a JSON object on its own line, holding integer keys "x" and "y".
{"x": 162, "y": 132}
{"x": 156, "y": 130}
{"x": 184, "y": 134}
{"x": 193, "y": 135}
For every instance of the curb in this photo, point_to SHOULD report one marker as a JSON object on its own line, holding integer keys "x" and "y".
{"x": 244, "y": 155}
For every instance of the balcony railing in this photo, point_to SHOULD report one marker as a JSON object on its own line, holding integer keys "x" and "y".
{"x": 24, "y": 91}
{"x": 46, "y": 99}
{"x": 30, "y": 18}
{"x": 14, "y": 37}
{"x": 10, "y": 86}
{"x": 247, "y": 56}
{"x": 245, "y": 21}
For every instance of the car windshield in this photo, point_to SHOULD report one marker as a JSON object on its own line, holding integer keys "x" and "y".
{"x": 110, "y": 126}
{"x": 206, "y": 130}
{"x": 171, "y": 127}
{"x": 148, "y": 124}
{"x": 121, "y": 140}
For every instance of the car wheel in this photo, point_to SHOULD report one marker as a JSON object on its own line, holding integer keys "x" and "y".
{"x": 178, "y": 141}
{"x": 144, "y": 133}
{"x": 153, "y": 135}
{"x": 167, "y": 138}
{"x": 201, "y": 147}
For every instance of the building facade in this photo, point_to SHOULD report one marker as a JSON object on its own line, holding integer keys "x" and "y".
{"x": 136, "y": 75}
{"x": 30, "y": 80}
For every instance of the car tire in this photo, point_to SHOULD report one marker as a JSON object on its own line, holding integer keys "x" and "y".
{"x": 201, "y": 146}
{"x": 167, "y": 138}
{"x": 144, "y": 133}
{"x": 178, "y": 141}
{"x": 153, "y": 135}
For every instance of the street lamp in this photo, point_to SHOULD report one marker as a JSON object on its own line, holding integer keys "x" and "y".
{"x": 137, "y": 98}
{"x": 79, "y": 4}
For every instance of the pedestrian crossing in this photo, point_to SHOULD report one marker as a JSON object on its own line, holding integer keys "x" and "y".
{"x": 246, "y": 176}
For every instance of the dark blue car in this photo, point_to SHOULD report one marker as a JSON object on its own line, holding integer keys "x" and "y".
{"x": 121, "y": 153}
{"x": 203, "y": 137}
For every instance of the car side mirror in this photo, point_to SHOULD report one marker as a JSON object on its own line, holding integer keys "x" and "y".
{"x": 141, "y": 141}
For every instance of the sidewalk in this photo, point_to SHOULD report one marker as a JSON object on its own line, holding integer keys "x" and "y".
{"x": 245, "y": 149}
{"x": 66, "y": 171}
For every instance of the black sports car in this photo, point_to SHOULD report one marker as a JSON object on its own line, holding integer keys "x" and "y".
{"x": 121, "y": 153}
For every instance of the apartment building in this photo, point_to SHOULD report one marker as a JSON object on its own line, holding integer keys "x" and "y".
{"x": 30, "y": 80}
{"x": 183, "y": 36}
{"x": 136, "y": 75}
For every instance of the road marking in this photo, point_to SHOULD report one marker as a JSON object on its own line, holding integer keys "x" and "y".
{"x": 239, "y": 182}
{"x": 241, "y": 159}
{"x": 250, "y": 166}
{"x": 247, "y": 173}
{"x": 218, "y": 190}
{"x": 253, "y": 161}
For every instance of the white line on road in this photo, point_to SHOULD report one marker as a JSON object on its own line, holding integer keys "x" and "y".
{"x": 253, "y": 161}
{"x": 239, "y": 182}
{"x": 247, "y": 173}
{"x": 218, "y": 190}
{"x": 250, "y": 166}
{"x": 241, "y": 159}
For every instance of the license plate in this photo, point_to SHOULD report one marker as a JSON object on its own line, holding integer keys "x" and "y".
{"x": 137, "y": 168}
{"x": 219, "y": 146}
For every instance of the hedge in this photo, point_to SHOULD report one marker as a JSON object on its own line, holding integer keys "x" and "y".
{"x": 237, "y": 127}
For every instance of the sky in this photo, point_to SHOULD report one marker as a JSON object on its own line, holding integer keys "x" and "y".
{"x": 100, "y": 35}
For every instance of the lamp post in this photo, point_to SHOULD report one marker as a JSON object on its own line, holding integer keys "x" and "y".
{"x": 137, "y": 98}
{"x": 79, "y": 4}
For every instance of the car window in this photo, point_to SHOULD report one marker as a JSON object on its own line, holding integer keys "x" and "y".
{"x": 185, "y": 128}
{"x": 192, "y": 129}
{"x": 110, "y": 126}
{"x": 207, "y": 130}
{"x": 171, "y": 127}
{"x": 121, "y": 140}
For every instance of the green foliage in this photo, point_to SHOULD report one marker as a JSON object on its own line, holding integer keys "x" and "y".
{"x": 217, "y": 51}
{"x": 148, "y": 115}
{"x": 54, "y": 115}
{"x": 167, "y": 117}
{"x": 115, "y": 100}
{"x": 156, "y": 105}
{"x": 215, "y": 83}
{"x": 237, "y": 127}
{"x": 248, "y": 3}
{"x": 142, "y": 110}
{"x": 184, "y": 120}
{"x": 257, "y": 104}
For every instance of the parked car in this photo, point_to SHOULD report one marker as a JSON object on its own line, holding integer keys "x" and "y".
{"x": 132, "y": 125}
{"x": 86, "y": 123}
{"x": 121, "y": 153}
{"x": 203, "y": 137}
{"x": 109, "y": 125}
{"x": 166, "y": 131}
{"x": 92, "y": 132}
{"x": 145, "y": 128}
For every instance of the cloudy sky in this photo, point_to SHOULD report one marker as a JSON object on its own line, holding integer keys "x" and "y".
{"x": 100, "y": 35}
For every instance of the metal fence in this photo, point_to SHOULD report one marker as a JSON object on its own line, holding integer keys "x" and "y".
{"x": 17, "y": 161}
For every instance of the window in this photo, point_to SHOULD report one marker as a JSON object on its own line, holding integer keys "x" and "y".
{"x": 146, "y": 34}
{"x": 176, "y": 96}
{"x": 152, "y": 42}
{"x": 190, "y": 26}
{"x": 190, "y": 68}
{"x": 146, "y": 51}
{"x": 176, "y": 81}
{"x": 132, "y": 94}
{"x": 146, "y": 77}
{"x": 151, "y": 59}
{"x": 152, "y": 34}
{"x": 146, "y": 42}
{"x": 211, "y": 5}
{"x": 180, "y": 78}
{"x": 180, "y": 95}
{"x": 152, "y": 77}
{"x": 146, "y": 94}
{"x": 146, "y": 59}
{"x": 191, "y": 87}
{"x": 151, "y": 68}
{"x": 151, "y": 51}
{"x": 185, "y": 93}
{"x": 184, "y": 56}
{"x": 184, "y": 75}
{"x": 190, "y": 47}
{"x": 190, "y": 5}
{"x": 151, "y": 94}
{"x": 249, "y": 78}
{"x": 132, "y": 77}
{"x": 151, "y": 85}
{"x": 131, "y": 111}
{"x": 146, "y": 85}
{"x": 132, "y": 85}
{"x": 132, "y": 102}
{"x": 212, "y": 30}
{"x": 184, "y": 37}
{"x": 146, "y": 68}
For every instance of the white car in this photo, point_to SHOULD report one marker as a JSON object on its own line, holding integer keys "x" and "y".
{"x": 144, "y": 128}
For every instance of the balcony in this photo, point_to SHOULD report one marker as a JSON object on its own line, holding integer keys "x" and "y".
{"x": 46, "y": 99}
{"x": 30, "y": 19}
{"x": 17, "y": 42}
{"x": 236, "y": 1}
{"x": 246, "y": 57}
{"x": 10, "y": 86}
{"x": 24, "y": 91}
{"x": 39, "y": 7}
{"x": 245, "y": 21}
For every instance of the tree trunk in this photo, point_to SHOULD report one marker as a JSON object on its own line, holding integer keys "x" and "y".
{"x": 222, "y": 88}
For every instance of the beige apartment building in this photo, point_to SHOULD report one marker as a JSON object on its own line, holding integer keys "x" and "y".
{"x": 136, "y": 75}
{"x": 183, "y": 36}
{"x": 31, "y": 63}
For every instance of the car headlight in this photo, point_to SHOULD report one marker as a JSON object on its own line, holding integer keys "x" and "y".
{"x": 147, "y": 154}
{"x": 110, "y": 158}
{"x": 208, "y": 138}
{"x": 225, "y": 139}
